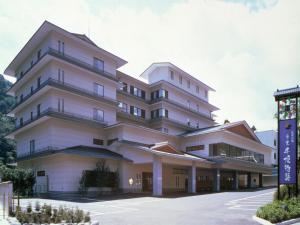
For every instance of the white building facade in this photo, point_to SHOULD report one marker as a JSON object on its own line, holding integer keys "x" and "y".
{"x": 270, "y": 138}
{"x": 75, "y": 108}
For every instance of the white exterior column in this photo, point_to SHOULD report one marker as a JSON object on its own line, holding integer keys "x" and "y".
{"x": 157, "y": 176}
{"x": 192, "y": 179}
{"x": 217, "y": 178}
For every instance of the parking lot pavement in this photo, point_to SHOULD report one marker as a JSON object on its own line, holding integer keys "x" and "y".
{"x": 251, "y": 203}
{"x": 232, "y": 208}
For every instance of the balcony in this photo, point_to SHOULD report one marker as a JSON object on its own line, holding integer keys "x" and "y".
{"x": 182, "y": 106}
{"x": 69, "y": 59}
{"x": 52, "y": 112}
{"x": 38, "y": 152}
{"x": 126, "y": 115}
{"x": 127, "y": 94}
{"x": 174, "y": 123}
{"x": 67, "y": 87}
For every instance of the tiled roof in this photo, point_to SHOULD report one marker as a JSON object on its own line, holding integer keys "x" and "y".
{"x": 287, "y": 92}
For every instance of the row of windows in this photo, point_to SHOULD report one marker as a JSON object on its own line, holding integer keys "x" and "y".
{"x": 188, "y": 83}
{"x": 137, "y": 111}
{"x": 158, "y": 113}
{"x": 133, "y": 110}
{"x": 227, "y": 150}
{"x": 194, "y": 148}
{"x": 161, "y": 93}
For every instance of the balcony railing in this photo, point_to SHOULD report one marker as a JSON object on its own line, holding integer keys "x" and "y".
{"x": 62, "y": 115}
{"x": 182, "y": 106}
{"x": 68, "y": 87}
{"x": 175, "y": 122}
{"x": 70, "y": 59}
{"x": 36, "y": 152}
{"x": 80, "y": 63}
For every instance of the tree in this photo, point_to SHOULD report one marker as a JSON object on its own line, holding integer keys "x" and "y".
{"x": 253, "y": 128}
{"x": 226, "y": 121}
{"x": 22, "y": 179}
{"x": 7, "y": 147}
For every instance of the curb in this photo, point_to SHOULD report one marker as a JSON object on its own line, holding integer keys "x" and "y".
{"x": 266, "y": 222}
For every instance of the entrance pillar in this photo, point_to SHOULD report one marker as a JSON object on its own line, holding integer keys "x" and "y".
{"x": 192, "y": 179}
{"x": 157, "y": 176}
{"x": 260, "y": 180}
{"x": 249, "y": 179}
{"x": 217, "y": 178}
{"x": 235, "y": 180}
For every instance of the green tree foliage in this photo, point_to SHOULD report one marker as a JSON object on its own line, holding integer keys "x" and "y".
{"x": 22, "y": 179}
{"x": 7, "y": 147}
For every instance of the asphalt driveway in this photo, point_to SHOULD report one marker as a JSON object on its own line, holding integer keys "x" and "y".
{"x": 207, "y": 209}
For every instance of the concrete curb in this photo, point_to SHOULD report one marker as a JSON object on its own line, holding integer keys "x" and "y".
{"x": 266, "y": 222}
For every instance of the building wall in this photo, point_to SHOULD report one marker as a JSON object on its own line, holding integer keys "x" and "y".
{"x": 64, "y": 171}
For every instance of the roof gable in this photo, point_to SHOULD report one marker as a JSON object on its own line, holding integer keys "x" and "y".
{"x": 165, "y": 147}
{"x": 242, "y": 130}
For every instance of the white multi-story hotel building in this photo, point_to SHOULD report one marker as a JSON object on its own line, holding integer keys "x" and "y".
{"x": 75, "y": 108}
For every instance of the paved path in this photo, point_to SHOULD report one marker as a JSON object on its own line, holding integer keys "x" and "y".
{"x": 232, "y": 208}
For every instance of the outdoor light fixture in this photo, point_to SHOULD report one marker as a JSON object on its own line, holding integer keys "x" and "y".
{"x": 130, "y": 181}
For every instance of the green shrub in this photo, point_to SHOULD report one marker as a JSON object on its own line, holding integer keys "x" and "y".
{"x": 278, "y": 211}
{"x": 47, "y": 215}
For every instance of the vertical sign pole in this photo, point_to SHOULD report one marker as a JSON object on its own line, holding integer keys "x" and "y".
{"x": 278, "y": 153}
{"x": 297, "y": 146}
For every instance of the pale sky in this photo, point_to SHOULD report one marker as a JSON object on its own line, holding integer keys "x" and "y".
{"x": 245, "y": 49}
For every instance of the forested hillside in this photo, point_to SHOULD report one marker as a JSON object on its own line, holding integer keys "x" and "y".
{"x": 7, "y": 147}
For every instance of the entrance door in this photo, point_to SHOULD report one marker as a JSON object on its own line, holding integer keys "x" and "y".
{"x": 147, "y": 184}
{"x": 41, "y": 182}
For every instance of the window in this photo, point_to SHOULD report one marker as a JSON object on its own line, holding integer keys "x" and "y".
{"x": 274, "y": 155}
{"x": 197, "y": 125}
{"x": 137, "y": 111}
{"x": 188, "y": 121}
{"x": 177, "y": 183}
{"x": 165, "y": 130}
{"x": 21, "y": 121}
{"x": 61, "y": 47}
{"x": 206, "y": 94}
{"x": 39, "y": 54}
{"x": 98, "y": 89}
{"x": 98, "y": 64}
{"x": 97, "y": 141}
{"x": 123, "y": 86}
{"x": 21, "y": 97}
{"x": 21, "y": 74}
{"x": 159, "y": 113}
{"x": 110, "y": 141}
{"x": 180, "y": 79}
{"x": 31, "y": 90}
{"x": 161, "y": 93}
{"x": 194, "y": 148}
{"x": 275, "y": 142}
{"x": 38, "y": 109}
{"x": 137, "y": 92}
{"x": 197, "y": 89}
{"x": 31, "y": 115}
{"x": 61, "y": 75}
{"x": 188, "y": 84}
{"x": 198, "y": 108}
{"x": 98, "y": 115}
{"x": 32, "y": 146}
{"x": 123, "y": 106}
{"x": 188, "y": 104}
{"x": 60, "y": 105}
{"x": 172, "y": 75}
{"x": 39, "y": 82}
{"x": 40, "y": 173}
